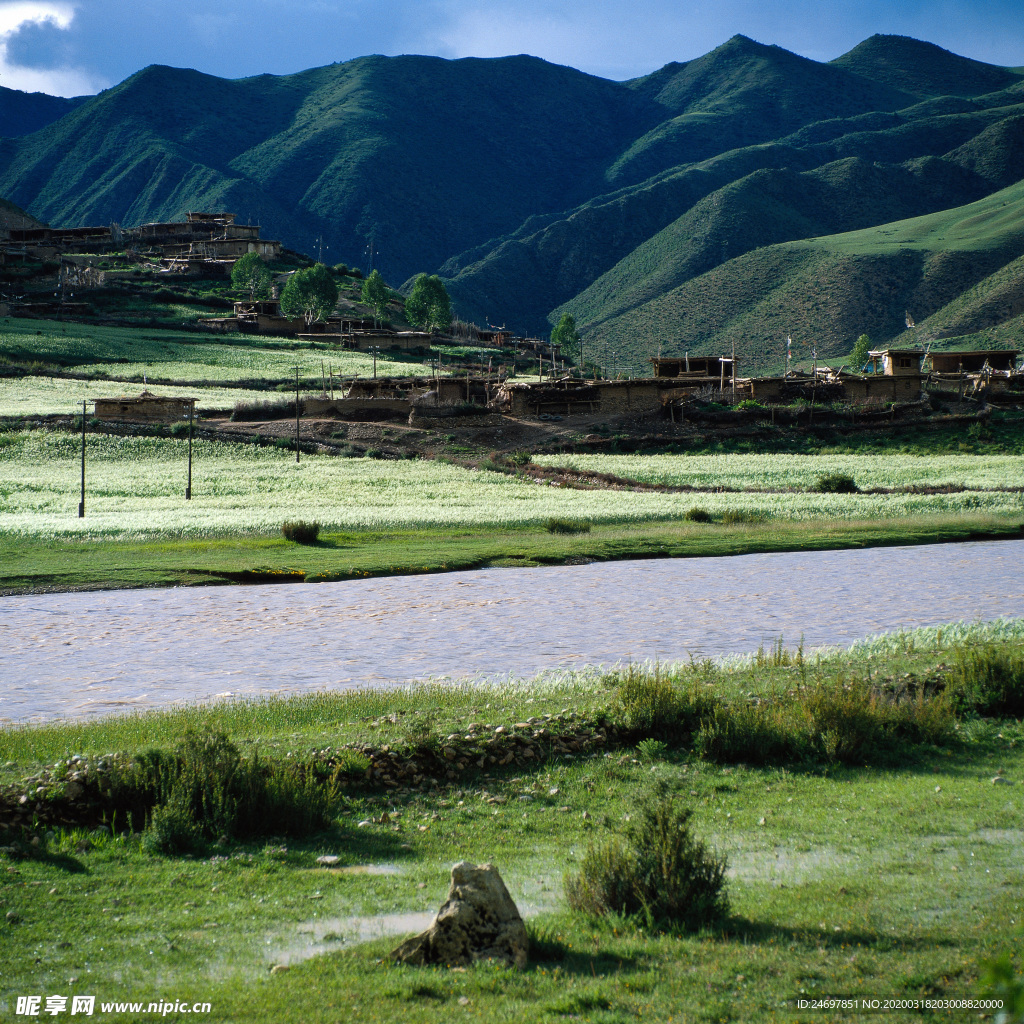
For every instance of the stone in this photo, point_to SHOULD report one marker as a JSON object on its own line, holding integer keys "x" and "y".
{"x": 279, "y": 968}
{"x": 478, "y": 921}
{"x": 73, "y": 790}
{"x": 328, "y": 860}
{"x": 999, "y": 780}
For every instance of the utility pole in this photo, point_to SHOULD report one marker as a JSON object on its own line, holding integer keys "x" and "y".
{"x": 191, "y": 417}
{"x": 81, "y": 504}
{"x": 375, "y": 349}
{"x": 297, "y": 414}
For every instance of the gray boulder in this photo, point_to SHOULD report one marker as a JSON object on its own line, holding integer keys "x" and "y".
{"x": 478, "y": 921}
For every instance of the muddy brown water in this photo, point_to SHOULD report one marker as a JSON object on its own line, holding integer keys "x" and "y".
{"x": 87, "y": 654}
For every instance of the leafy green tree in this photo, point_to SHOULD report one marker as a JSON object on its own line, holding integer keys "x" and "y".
{"x": 567, "y": 338}
{"x": 428, "y": 305}
{"x": 310, "y": 293}
{"x": 860, "y": 351}
{"x": 250, "y": 274}
{"x": 376, "y": 294}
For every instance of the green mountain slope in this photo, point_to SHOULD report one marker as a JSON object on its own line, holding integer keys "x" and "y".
{"x": 424, "y": 156}
{"x": 954, "y": 270}
{"x": 535, "y": 189}
{"x": 25, "y": 112}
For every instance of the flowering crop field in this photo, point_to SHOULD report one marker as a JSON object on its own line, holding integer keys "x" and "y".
{"x": 135, "y": 489}
{"x": 781, "y": 472}
{"x": 129, "y": 352}
{"x": 42, "y": 396}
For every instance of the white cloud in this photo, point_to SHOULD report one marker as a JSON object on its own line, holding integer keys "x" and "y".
{"x": 58, "y": 81}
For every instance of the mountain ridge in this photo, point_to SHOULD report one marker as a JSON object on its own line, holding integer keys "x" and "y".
{"x": 534, "y": 188}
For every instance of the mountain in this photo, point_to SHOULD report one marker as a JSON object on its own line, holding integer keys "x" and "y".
{"x": 956, "y": 271}
{"x": 668, "y": 211}
{"x": 24, "y": 112}
{"x": 12, "y": 216}
{"x": 423, "y": 157}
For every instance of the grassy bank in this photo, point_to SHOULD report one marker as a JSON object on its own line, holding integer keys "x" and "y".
{"x": 889, "y": 871}
{"x": 30, "y": 563}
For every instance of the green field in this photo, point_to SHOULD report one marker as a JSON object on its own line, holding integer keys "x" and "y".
{"x": 801, "y": 472}
{"x": 132, "y": 352}
{"x": 135, "y": 486}
{"x": 892, "y": 873}
{"x": 47, "y": 396}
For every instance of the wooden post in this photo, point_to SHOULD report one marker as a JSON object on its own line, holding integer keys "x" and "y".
{"x": 191, "y": 417}
{"x": 296, "y": 414}
{"x": 734, "y": 371}
{"x": 81, "y": 504}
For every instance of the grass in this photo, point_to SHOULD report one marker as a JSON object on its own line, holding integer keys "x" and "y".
{"x": 900, "y": 878}
{"x": 27, "y": 563}
{"x": 129, "y": 352}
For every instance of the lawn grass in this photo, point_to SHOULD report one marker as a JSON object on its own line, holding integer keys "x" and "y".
{"x": 28, "y": 563}
{"x": 897, "y": 878}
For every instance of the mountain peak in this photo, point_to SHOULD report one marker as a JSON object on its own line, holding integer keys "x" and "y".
{"x": 923, "y": 69}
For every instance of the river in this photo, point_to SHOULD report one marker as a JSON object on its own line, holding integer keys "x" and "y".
{"x": 86, "y": 654}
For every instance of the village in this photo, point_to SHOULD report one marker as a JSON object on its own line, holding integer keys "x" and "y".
{"x": 493, "y": 400}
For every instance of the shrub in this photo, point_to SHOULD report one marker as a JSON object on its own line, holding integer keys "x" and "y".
{"x": 652, "y": 750}
{"x": 651, "y": 706}
{"x": 556, "y": 525}
{"x": 732, "y": 516}
{"x": 179, "y": 429}
{"x": 750, "y": 733}
{"x": 520, "y": 458}
{"x": 172, "y": 829}
{"x": 301, "y": 532}
{"x": 207, "y": 789}
{"x": 697, "y": 515}
{"x": 988, "y": 681}
{"x": 660, "y": 874}
{"x": 835, "y": 483}
{"x": 264, "y": 410}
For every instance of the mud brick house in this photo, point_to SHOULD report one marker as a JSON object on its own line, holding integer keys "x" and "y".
{"x": 144, "y": 408}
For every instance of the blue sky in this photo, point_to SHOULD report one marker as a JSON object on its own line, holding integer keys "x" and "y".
{"x": 71, "y": 47}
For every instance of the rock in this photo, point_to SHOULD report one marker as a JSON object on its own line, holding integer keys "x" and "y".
{"x": 329, "y": 860}
{"x": 999, "y": 780}
{"x": 13, "y": 917}
{"x": 73, "y": 790}
{"x": 279, "y": 968}
{"x": 478, "y": 921}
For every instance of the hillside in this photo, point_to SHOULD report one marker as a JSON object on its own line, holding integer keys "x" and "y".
{"x": 956, "y": 271}
{"x": 423, "y": 157}
{"x": 534, "y": 188}
{"x": 12, "y": 216}
{"x": 24, "y": 112}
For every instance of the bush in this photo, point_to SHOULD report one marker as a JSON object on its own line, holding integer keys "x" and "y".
{"x": 697, "y": 515}
{"x": 555, "y": 525}
{"x": 179, "y": 429}
{"x": 301, "y": 532}
{"x": 836, "y": 483}
{"x": 264, "y": 410}
{"x": 732, "y": 516}
{"x": 987, "y": 681}
{"x": 651, "y": 706}
{"x": 659, "y": 875}
{"x": 172, "y": 829}
{"x": 207, "y": 789}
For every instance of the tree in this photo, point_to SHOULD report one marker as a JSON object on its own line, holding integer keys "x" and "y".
{"x": 310, "y": 293}
{"x": 860, "y": 352}
{"x": 428, "y": 305}
{"x": 250, "y": 274}
{"x": 567, "y": 339}
{"x": 376, "y": 294}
